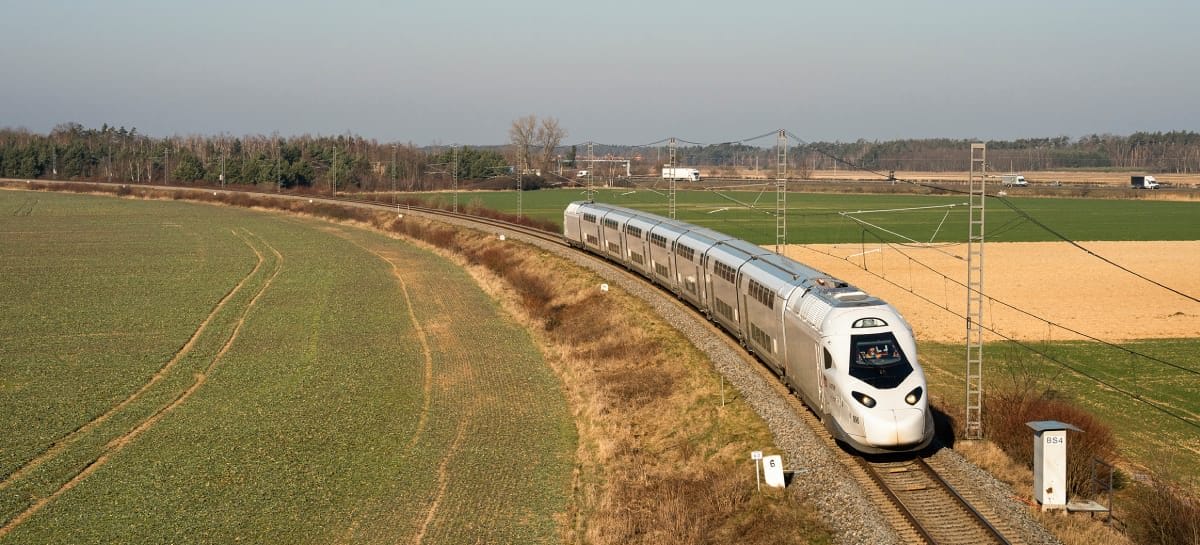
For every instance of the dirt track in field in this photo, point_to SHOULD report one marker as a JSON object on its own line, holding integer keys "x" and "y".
{"x": 1051, "y": 280}
{"x": 61, "y": 444}
{"x": 119, "y": 443}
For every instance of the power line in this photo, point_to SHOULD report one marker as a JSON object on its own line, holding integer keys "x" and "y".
{"x": 1003, "y": 303}
{"x": 1032, "y": 349}
{"x": 1020, "y": 212}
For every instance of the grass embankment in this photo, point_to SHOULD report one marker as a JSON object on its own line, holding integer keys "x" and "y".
{"x": 660, "y": 460}
{"x": 816, "y": 218}
{"x": 305, "y": 410}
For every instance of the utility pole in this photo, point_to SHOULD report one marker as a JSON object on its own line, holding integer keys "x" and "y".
{"x": 522, "y": 167}
{"x": 455, "y": 176}
{"x": 671, "y": 192}
{"x": 781, "y": 191}
{"x": 395, "y": 197}
{"x": 333, "y": 182}
{"x": 591, "y": 167}
{"x": 167, "y": 163}
{"x": 973, "y": 427}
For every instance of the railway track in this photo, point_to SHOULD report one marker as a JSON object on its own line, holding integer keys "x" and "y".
{"x": 553, "y": 238}
{"x": 921, "y": 505}
{"x": 914, "y": 498}
{"x": 932, "y": 510}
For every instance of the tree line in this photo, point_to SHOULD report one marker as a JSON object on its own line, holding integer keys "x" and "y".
{"x": 328, "y": 163}
{"x": 323, "y": 163}
{"x": 1165, "y": 152}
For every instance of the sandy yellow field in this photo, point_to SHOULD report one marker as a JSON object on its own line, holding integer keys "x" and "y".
{"x": 1051, "y": 280}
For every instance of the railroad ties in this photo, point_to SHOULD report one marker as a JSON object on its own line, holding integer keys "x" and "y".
{"x": 930, "y": 509}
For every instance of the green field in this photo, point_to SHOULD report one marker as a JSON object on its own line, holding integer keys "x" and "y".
{"x": 1147, "y": 436}
{"x": 815, "y": 218}
{"x": 305, "y": 408}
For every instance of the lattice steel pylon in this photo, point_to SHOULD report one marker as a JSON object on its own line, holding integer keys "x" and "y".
{"x": 671, "y": 191}
{"x": 781, "y": 191}
{"x": 973, "y": 428}
{"x": 455, "y": 177}
{"x": 591, "y": 168}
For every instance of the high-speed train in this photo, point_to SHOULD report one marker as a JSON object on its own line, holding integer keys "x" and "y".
{"x": 850, "y": 356}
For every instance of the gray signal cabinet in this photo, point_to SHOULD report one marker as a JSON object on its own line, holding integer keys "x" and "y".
{"x": 1050, "y": 462}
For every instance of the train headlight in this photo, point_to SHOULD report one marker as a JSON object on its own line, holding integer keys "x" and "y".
{"x": 865, "y": 399}
{"x": 914, "y": 396}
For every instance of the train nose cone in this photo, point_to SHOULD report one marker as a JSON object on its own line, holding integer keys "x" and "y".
{"x": 898, "y": 427}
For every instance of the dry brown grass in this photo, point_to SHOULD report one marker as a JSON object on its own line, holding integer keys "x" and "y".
{"x": 659, "y": 460}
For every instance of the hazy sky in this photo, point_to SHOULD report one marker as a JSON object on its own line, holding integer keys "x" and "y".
{"x": 611, "y": 72}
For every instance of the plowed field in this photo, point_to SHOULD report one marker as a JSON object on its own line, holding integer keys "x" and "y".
{"x": 1052, "y": 280}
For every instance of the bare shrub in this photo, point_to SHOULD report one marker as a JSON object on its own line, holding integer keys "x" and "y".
{"x": 442, "y": 237}
{"x": 580, "y": 321}
{"x": 496, "y": 258}
{"x": 535, "y": 291}
{"x": 708, "y": 505}
{"x": 1008, "y": 412}
{"x": 636, "y": 386}
{"x": 1162, "y": 513}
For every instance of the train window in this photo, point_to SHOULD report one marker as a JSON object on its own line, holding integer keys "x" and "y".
{"x": 762, "y": 339}
{"x": 723, "y": 308}
{"x": 637, "y": 258}
{"x": 591, "y": 239}
{"x": 686, "y": 252}
{"x": 590, "y": 218}
{"x": 658, "y": 240}
{"x": 828, "y": 359}
{"x": 633, "y": 231}
{"x": 868, "y": 322}
{"x": 725, "y": 271}
{"x": 610, "y": 223}
{"x": 762, "y": 294}
{"x": 662, "y": 270}
{"x": 614, "y": 247}
{"x": 878, "y": 360}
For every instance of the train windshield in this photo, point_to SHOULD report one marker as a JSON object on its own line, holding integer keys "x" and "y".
{"x": 877, "y": 359}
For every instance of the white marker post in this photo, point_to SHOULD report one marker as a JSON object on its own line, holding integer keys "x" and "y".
{"x": 756, "y": 456}
{"x": 773, "y": 471}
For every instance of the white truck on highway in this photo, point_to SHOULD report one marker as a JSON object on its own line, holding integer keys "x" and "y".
{"x": 1143, "y": 182}
{"x": 681, "y": 173}
{"x": 1014, "y": 180}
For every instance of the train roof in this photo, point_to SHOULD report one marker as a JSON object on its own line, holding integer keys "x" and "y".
{"x": 781, "y": 271}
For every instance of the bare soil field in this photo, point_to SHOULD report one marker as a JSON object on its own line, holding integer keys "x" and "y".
{"x": 1051, "y": 280}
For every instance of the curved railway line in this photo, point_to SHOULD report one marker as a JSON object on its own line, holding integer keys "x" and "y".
{"x": 910, "y": 493}
{"x": 921, "y": 505}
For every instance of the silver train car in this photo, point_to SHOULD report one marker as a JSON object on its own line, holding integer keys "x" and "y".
{"x": 849, "y": 356}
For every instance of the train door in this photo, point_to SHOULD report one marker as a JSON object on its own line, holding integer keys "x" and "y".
{"x": 833, "y": 402}
{"x": 803, "y": 358}
{"x": 687, "y": 272}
